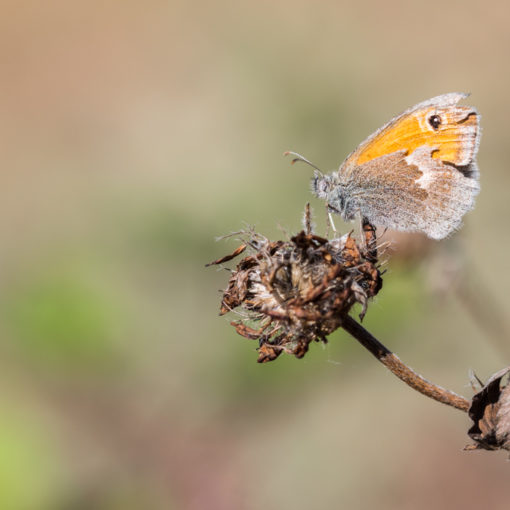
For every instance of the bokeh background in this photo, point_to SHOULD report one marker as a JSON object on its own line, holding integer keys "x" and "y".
{"x": 133, "y": 134}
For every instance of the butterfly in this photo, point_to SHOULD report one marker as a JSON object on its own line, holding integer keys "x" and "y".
{"x": 418, "y": 173}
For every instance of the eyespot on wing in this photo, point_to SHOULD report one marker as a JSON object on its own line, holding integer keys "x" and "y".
{"x": 439, "y": 122}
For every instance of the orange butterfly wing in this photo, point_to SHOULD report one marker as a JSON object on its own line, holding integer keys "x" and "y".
{"x": 418, "y": 172}
{"x": 452, "y": 130}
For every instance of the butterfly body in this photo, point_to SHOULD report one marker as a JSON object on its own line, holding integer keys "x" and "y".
{"x": 417, "y": 173}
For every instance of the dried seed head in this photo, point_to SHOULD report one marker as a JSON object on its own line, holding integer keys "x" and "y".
{"x": 298, "y": 291}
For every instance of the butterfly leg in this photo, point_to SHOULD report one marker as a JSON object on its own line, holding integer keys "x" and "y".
{"x": 329, "y": 218}
{"x": 329, "y": 221}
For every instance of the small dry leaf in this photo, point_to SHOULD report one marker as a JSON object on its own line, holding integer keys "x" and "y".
{"x": 228, "y": 257}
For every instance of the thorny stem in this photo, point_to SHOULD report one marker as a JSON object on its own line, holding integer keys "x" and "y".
{"x": 402, "y": 371}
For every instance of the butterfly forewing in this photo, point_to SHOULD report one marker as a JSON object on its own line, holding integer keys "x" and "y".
{"x": 418, "y": 172}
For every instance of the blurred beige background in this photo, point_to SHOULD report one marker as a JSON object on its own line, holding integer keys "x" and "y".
{"x": 134, "y": 133}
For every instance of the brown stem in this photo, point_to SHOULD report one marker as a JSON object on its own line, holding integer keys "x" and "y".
{"x": 403, "y": 372}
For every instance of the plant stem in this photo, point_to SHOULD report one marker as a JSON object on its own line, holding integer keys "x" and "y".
{"x": 402, "y": 371}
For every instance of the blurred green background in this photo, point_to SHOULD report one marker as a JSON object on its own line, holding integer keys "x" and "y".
{"x": 133, "y": 134}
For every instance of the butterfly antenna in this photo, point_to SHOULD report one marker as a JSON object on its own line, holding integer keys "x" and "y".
{"x": 298, "y": 157}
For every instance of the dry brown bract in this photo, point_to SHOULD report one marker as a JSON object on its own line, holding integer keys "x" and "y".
{"x": 291, "y": 293}
{"x": 490, "y": 412}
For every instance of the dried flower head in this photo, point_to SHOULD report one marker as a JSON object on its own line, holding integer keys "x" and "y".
{"x": 490, "y": 412}
{"x": 291, "y": 293}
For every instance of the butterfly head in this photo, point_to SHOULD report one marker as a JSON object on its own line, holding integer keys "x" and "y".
{"x": 335, "y": 194}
